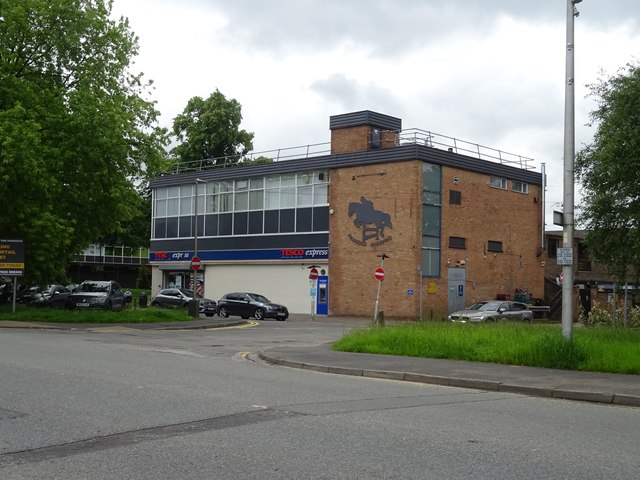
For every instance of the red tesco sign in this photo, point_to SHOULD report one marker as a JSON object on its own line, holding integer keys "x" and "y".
{"x": 379, "y": 273}
{"x": 195, "y": 263}
{"x": 313, "y": 274}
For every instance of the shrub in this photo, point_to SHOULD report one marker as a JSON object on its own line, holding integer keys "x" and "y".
{"x": 597, "y": 316}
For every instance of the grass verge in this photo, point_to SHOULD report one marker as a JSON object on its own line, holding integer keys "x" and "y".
{"x": 592, "y": 349}
{"x": 129, "y": 315}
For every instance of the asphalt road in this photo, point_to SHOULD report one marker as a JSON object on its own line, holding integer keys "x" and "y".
{"x": 135, "y": 404}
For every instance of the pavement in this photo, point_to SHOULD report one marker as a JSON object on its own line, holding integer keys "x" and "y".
{"x": 607, "y": 388}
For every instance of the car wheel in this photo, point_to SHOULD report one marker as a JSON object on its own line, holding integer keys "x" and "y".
{"x": 258, "y": 314}
{"x": 223, "y": 312}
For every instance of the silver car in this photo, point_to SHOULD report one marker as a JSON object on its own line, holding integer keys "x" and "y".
{"x": 491, "y": 311}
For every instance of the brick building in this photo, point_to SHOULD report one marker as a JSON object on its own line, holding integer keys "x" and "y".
{"x": 455, "y": 222}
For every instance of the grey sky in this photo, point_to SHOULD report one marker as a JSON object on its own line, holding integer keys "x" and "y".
{"x": 486, "y": 71}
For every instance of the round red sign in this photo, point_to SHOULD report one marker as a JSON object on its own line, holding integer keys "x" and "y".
{"x": 313, "y": 274}
{"x": 379, "y": 273}
{"x": 195, "y": 263}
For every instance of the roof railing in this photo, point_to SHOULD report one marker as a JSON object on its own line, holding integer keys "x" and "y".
{"x": 411, "y": 136}
{"x": 462, "y": 147}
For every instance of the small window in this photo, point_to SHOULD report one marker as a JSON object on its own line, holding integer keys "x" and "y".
{"x": 519, "y": 187}
{"x": 455, "y": 197}
{"x": 498, "y": 182}
{"x": 457, "y": 242}
{"x": 494, "y": 246}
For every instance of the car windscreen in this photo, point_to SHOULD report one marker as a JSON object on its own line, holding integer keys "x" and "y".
{"x": 94, "y": 287}
{"x": 188, "y": 293}
{"x": 489, "y": 306}
{"x": 259, "y": 298}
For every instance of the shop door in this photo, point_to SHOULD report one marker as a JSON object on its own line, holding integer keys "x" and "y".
{"x": 457, "y": 294}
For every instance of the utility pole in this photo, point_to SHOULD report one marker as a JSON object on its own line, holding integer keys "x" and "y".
{"x": 569, "y": 175}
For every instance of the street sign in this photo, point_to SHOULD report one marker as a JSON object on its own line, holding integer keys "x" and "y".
{"x": 564, "y": 256}
{"x": 379, "y": 273}
{"x": 195, "y": 263}
{"x": 313, "y": 274}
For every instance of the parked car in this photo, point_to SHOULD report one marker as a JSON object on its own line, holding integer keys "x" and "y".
{"x": 50, "y": 296}
{"x": 6, "y": 292}
{"x": 180, "y": 298}
{"x": 248, "y": 305}
{"x": 97, "y": 294}
{"x": 491, "y": 311}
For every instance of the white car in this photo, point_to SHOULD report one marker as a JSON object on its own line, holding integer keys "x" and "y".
{"x": 491, "y": 311}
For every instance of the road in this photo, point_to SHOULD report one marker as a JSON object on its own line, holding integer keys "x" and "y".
{"x": 118, "y": 403}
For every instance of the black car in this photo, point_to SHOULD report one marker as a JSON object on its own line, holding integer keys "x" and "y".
{"x": 180, "y": 298}
{"x": 97, "y": 294}
{"x": 50, "y": 296}
{"x": 248, "y": 305}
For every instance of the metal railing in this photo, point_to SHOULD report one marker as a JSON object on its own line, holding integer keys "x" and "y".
{"x": 411, "y": 136}
{"x": 462, "y": 147}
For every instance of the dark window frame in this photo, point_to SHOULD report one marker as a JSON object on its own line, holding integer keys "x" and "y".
{"x": 455, "y": 197}
{"x": 458, "y": 242}
{"x": 494, "y": 246}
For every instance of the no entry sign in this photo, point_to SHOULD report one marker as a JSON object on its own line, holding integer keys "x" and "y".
{"x": 379, "y": 273}
{"x": 313, "y": 274}
{"x": 195, "y": 263}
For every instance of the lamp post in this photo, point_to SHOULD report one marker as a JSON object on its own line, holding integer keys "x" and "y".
{"x": 569, "y": 161}
{"x": 195, "y": 238}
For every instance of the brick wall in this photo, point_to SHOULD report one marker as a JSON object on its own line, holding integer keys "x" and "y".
{"x": 394, "y": 189}
{"x": 485, "y": 213}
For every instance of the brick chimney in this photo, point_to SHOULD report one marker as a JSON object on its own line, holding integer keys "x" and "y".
{"x": 363, "y": 131}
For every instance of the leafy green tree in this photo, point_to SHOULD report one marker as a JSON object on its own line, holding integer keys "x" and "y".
{"x": 609, "y": 171}
{"x": 77, "y": 133}
{"x": 208, "y": 132}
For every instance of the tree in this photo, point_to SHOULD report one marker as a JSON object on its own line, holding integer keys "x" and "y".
{"x": 208, "y": 132}
{"x": 76, "y": 132}
{"x": 609, "y": 171}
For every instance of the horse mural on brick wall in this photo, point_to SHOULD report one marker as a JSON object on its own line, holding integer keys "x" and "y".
{"x": 371, "y": 221}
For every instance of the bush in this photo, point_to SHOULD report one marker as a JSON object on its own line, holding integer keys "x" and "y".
{"x": 599, "y": 316}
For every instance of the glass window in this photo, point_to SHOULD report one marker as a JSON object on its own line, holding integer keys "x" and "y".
{"x": 173, "y": 207}
{"x": 320, "y": 194}
{"x": 288, "y": 179}
{"x": 255, "y": 223}
{"x": 272, "y": 221}
{"x": 212, "y": 204}
{"x": 161, "y": 208}
{"x": 431, "y": 198}
{"x": 431, "y": 220}
{"x": 457, "y": 242}
{"x": 256, "y": 183}
{"x": 241, "y": 201}
{"x": 242, "y": 184}
{"x": 272, "y": 199}
{"x": 519, "y": 187}
{"x": 172, "y": 227}
{"x": 212, "y": 188}
{"x": 256, "y": 199}
{"x": 498, "y": 182}
{"x": 225, "y": 224}
{"x": 288, "y": 220}
{"x": 431, "y": 177}
{"x": 160, "y": 230}
{"x": 430, "y": 263}
{"x": 321, "y": 219}
{"x": 305, "y": 195}
{"x": 273, "y": 182}
{"x": 185, "y": 227}
{"x": 303, "y": 219}
{"x": 211, "y": 226}
{"x": 240, "y": 222}
{"x": 494, "y": 246}
{"x": 455, "y": 197}
{"x": 287, "y": 197}
{"x": 160, "y": 193}
{"x": 186, "y": 206}
{"x": 226, "y": 202}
